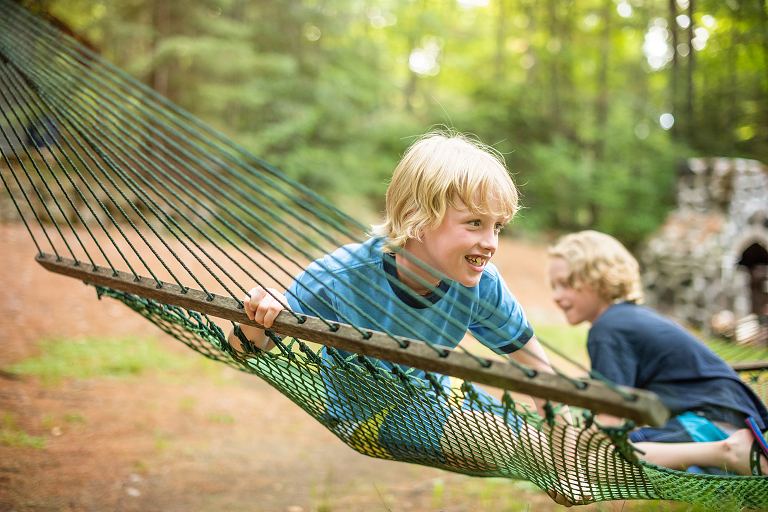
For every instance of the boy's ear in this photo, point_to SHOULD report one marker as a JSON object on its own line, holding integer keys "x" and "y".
{"x": 426, "y": 227}
{"x": 421, "y": 229}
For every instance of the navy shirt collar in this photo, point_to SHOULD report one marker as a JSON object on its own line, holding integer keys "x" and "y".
{"x": 405, "y": 294}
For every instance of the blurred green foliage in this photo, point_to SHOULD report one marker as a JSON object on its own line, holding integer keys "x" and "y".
{"x": 570, "y": 91}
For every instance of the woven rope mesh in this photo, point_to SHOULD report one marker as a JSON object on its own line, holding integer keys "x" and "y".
{"x": 399, "y": 420}
{"x": 127, "y": 181}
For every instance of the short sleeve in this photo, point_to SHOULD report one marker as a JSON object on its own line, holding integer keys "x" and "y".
{"x": 311, "y": 293}
{"x": 500, "y": 322}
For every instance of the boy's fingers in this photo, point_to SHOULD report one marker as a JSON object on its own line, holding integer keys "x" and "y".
{"x": 257, "y": 294}
{"x": 263, "y": 306}
{"x": 268, "y": 309}
{"x": 271, "y": 314}
{"x": 253, "y": 299}
{"x": 247, "y": 307}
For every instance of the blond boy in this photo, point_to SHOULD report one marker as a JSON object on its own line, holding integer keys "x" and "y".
{"x": 595, "y": 279}
{"x": 425, "y": 274}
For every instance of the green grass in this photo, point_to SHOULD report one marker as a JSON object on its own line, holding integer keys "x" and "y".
{"x": 163, "y": 439}
{"x": 19, "y": 438}
{"x": 220, "y": 418}
{"x": 567, "y": 339}
{"x": 12, "y": 435}
{"x": 731, "y": 351}
{"x": 124, "y": 358}
{"x": 187, "y": 404}
{"x": 74, "y": 418}
{"x": 89, "y": 358}
{"x": 572, "y": 341}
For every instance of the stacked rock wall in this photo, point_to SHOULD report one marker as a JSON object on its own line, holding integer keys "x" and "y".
{"x": 691, "y": 267}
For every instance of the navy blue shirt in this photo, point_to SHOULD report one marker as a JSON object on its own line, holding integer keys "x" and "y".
{"x": 635, "y": 346}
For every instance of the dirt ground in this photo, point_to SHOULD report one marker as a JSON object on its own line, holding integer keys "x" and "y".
{"x": 153, "y": 443}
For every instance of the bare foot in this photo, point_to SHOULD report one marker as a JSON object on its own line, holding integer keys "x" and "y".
{"x": 738, "y": 446}
{"x": 567, "y": 502}
{"x": 578, "y": 492}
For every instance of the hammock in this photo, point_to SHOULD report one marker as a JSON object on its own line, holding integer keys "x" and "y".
{"x": 125, "y": 191}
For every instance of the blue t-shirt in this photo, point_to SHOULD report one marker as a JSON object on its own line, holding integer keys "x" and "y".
{"x": 357, "y": 285}
{"x": 635, "y": 346}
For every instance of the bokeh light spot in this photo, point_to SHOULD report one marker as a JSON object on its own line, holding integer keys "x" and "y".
{"x": 666, "y": 120}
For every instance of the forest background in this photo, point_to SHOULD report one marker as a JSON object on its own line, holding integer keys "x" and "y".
{"x": 593, "y": 103}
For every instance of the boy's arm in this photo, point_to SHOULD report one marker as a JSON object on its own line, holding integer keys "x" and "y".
{"x": 262, "y": 306}
{"x": 533, "y": 355}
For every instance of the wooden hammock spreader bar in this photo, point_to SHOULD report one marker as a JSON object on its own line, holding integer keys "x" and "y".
{"x": 596, "y": 396}
{"x": 746, "y": 366}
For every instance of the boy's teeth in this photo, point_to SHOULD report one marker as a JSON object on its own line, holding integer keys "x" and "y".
{"x": 475, "y": 261}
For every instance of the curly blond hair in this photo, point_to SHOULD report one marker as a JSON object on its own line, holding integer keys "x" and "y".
{"x": 437, "y": 169}
{"x": 598, "y": 260}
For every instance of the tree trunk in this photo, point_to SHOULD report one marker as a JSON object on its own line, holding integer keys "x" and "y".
{"x": 763, "y": 135}
{"x": 690, "y": 122}
{"x": 410, "y": 88}
{"x": 555, "y": 106}
{"x": 601, "y": 104}
{"x": 601, "y": 117}
{"x": 500, "y": 63}
{"x": 733, "y": 90}
{"x": 161, "y": 72}
{"x": 675, "y": 71}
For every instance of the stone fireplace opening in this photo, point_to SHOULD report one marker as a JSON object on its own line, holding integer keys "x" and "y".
{"x": 754, "y": 260}
{"x": 707, "y": 265}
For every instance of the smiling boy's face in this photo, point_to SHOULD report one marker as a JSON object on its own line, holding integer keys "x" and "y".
{"x": 580, "y": 304}
{"x": 461, "y": 245}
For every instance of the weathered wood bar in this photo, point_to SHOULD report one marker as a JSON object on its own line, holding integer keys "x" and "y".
{"x": 643, "y": 407}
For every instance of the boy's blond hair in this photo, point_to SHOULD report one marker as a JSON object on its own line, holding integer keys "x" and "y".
{"x": 437, "y": 169}
{"x": 600, "y": 261}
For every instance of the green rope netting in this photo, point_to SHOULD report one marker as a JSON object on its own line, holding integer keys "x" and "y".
{"x": 490, "y": 441}
{"x": 105, "y": 172}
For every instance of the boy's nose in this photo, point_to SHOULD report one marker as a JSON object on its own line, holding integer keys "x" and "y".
{"x": 490, "y": 240}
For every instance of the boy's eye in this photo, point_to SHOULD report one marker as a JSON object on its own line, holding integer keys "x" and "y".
{"x": 498, "y": 227}
{"x": 475, "y": 222}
